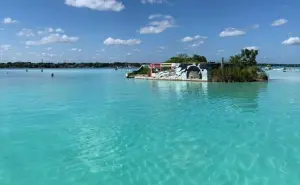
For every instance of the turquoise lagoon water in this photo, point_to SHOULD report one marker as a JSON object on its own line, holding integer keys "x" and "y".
{"x": 94, "y": 127}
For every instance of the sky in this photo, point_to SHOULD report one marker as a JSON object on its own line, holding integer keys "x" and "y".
{"x": 147, "y": 30}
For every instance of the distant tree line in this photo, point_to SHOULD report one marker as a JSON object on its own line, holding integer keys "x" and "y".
{"x": 68, "y": 65}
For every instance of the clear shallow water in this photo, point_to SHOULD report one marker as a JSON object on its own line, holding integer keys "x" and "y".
{"x": 91, "y": 127}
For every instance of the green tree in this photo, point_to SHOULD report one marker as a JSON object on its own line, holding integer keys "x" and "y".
{"x": 248, "y": 57}
{"x": 235, "y": 60}
{"x": 184, "y": 58}
{"x": 181, "y": 58}
{"x": 183, "y": 55}
{"x": 199, "y": 59}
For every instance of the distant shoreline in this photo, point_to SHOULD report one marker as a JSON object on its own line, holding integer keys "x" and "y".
{"x": 43, "y": 65}
{"x": 70, "y": 68}
{"x": 95, "y": 65}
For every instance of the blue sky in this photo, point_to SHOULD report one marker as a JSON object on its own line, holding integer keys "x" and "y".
{"x": 147, "y": 30}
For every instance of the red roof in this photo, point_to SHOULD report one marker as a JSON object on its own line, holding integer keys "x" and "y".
{"x": 155, "y": 65}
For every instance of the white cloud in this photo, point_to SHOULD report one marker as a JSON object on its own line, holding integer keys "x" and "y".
{"x": 292, "y": 41}
{"x": 153, "y": 1}
{"x": 129, "y": 42}
{"x": 53, "y": 38}
{"x": 1, "y": 29}
{"x": 232, "y": 32}
{"x": 198, "y": 43}
{"x": 26, "y": 33}
{"x": 196, "y": 40}
{"x": 49, "y": 48}
{"x": 279, "y": 22}
{"x": 190, "y": 39}
{"x": 5, "y": 47}
{"x": 9, "y": 20}
{"x": 162, "y": 47}
{"x": 100, "y": 5}
{"x": 129, "y": 54}
{"x": 59, "y": 30}
{"x": 76, "y": 49}
{"x": 51, "y": 55}
{"x": 137, "y": 50}
{"x": 153, "y": 16}
{"x": 50, "y": 30}
{"x": 48, "y": 55}
{"x": 252, "y": 48}
{"x": 41, "y": 32}
{"x": 187, "y": 39}
{"x": 19, "y": 54}
{"x": 155, "y": 27}
{"x": 102, "y": 50}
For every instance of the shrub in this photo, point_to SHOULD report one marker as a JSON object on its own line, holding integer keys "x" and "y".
{"x": 144, "y": 70}
{"x": 238, "y": 74}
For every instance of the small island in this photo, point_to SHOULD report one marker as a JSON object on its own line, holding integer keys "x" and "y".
{"x": 240, "y": 68}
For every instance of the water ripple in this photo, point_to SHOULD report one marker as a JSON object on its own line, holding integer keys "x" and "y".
{"x": 80, "y": 129}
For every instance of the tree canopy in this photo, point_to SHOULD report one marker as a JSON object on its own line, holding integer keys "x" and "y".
{"x": 184, "y": 58}
{"x": 246, "y": 58}
{"x": 249, "y": 57}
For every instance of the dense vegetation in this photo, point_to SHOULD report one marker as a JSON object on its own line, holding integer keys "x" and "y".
{"x": 239, "y": 74}
{"x": 242, "y": 68}
{"x": 143, "y": 70}
{"x": 184, "y": 58}
{"x": 67, "y": 65}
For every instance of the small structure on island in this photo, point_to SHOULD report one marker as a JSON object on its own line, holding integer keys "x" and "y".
{"x": 193, "y": 72}
{"x": 240, "y": 68}
{"x": 184, "y": 71}
{"x": 175, "y": 71}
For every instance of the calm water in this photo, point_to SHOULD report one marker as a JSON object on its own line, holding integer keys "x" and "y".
{"x": 94, "y": 127}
